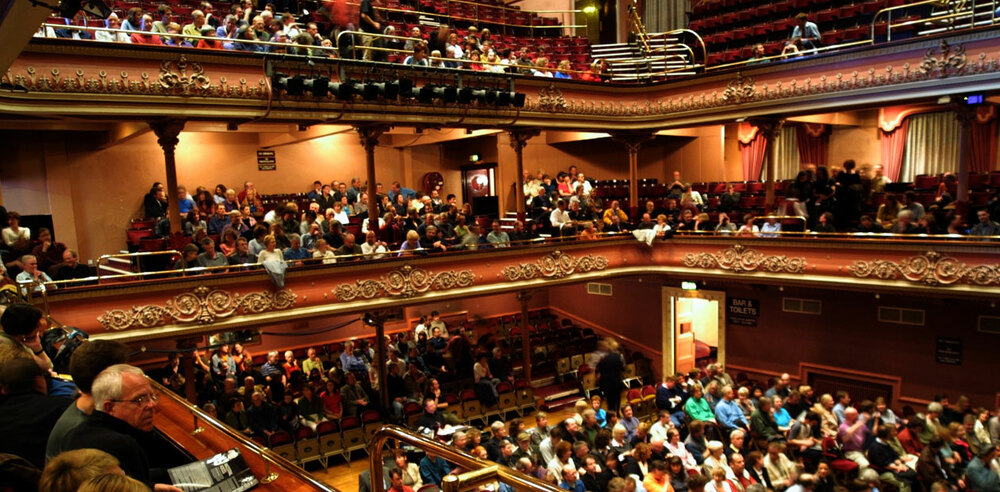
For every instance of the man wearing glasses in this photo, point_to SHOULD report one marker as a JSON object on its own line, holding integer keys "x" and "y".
{"x": 122, "y": 424}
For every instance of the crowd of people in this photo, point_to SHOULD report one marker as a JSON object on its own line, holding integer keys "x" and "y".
{"x": 708, "y": 432}
{"x": 278, "y": 28}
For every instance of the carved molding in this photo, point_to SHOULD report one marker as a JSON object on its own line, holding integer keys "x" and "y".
{"x": 740, "y": 259}
{"x": 554, "y": 265}
{"x": 551, "y": 99}
{"x": 740, "y": 90}
{"x": 202, "y": 305}
{"x": 406, "y": 281}
{"x": 930, "y": 268}
{"x": 183, "y": 78}
{"x": 948, "y": 63}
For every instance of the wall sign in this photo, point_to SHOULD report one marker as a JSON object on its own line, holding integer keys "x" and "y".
{"x": 742, "y": 311}
{"x": 949, "y": 351}
{"x": 266, "y": 160}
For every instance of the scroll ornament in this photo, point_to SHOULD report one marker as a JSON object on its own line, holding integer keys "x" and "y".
{"x": 740, "y": 259}
{"x": 554, "y": 265}
{"x": 201, "y": 305}
{"x": 406, "y": 281}
{"x": 930, "y": 268}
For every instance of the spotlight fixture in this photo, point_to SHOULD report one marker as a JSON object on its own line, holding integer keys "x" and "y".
{"x": 519, "y": 98}
{"x": 345, "y": 91}
{"x": 465, "y": 95}
{"x": 369, "y": 319}
{"x": 426, "y": 94}
{"x": 503, "y": 99}
{"x": 293, "y": 86}
{"x": 318, "y": 87}
{"x": 371, "y": 91}
{"x": 96, "y": 8}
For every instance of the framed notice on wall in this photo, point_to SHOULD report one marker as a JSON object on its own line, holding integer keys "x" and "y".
{"x": 266, "y": 160}
{"x": 742, "y": 311}
{"x": 949, "y": 351}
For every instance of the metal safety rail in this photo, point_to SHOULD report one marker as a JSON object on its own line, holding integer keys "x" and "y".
{"x": 663, "y": 54}
{"x": 477, "y": 18}
{"x": 478, "y": 472}
{"x": 955, "y": 15}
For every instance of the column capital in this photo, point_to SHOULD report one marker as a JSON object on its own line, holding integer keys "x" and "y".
{"x": 519, "y": 138}
{"x": 770, "y": 127}
{"x": 370, "y": 134}
{"x": 166, "y": 132}
{"x": 632, "y": 140}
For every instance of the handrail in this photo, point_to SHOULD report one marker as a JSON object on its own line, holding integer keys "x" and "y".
{"x": 270, "y": 459}
{"x": 480, "y": 470}
{"x": 965, "y": 12}
{"x": 331, "y": 49}
{"x": 783, "y": 56}
{"x": 779, "y": 217}
{"x": 701, "y": 41}
{"x": 132, "y": 256}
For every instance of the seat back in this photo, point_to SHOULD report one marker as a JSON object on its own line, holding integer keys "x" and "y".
{"x": 306, "y": 445}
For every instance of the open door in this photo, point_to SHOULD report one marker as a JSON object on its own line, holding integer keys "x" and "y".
{"x": 693, "y": 331}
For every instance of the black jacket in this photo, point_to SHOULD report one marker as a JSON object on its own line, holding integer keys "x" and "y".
{"x": 119, "y": 439}
{"x": 25, "y": 422}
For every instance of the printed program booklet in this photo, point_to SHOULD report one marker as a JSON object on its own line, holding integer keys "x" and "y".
{"x": 224, "y": 472}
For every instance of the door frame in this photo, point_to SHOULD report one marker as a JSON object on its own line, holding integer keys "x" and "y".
{"x": 669, "y": 331}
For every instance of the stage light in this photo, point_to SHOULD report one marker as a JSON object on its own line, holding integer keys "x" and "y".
{"x": 519, "y": 98}
{"x": 465, "y": 95}
{"x": 369, "y": 319}
{"x": 426, "y": 94}
{"x": 96, "y": 8}
{"x": 295, "y": 86}
{"x": 503, "y": 99}
{"x": 318, "y": 87}
{"x": 345, "y": 91}
{"x": 371, "y": 91}
{"x": 405, "y": 88}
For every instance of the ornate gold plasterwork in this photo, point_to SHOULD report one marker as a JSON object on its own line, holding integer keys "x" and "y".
{"x": 406, "y": 281}
{"x": 183, "y": 78}
{"x": 551, "y": 99}
{"x": 554, "y": 265}
{"x": 930, "y": 268}
{"x": 740, "y": 259}
{"x": 948, "y": 63}
{"x": 202, "y": 305}
{"x": 739, "y": 90}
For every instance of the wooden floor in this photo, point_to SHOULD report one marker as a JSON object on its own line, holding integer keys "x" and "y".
{"x": 344, "y": 477}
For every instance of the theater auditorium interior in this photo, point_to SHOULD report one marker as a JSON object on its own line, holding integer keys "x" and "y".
{"x": 496, "y": 245}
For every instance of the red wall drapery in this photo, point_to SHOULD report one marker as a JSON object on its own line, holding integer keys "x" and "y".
{"x": 893, "y": 145}
{"x": 753, "y": 148}
{"x": 984, "y": 140}
{"x": 814, "y": 143}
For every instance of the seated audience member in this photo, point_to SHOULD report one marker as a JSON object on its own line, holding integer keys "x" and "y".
{"x": 885, "y": 460}
{"x": 497, "y": 237}
{"x": 23, "y": 325}
{"x": 270, "y": 251}
{"x": 122, "y": 423}
{"x": 71, "y": 267}
{"x": 32, "y": 277}
{"x": 68, "y": 471}
{"x": 805, "y": 35}
{"x": 27, "y": 412}
{"x": 433, "y": 469}
{"x": 780, "y": 470}
{"x": 85, "y": 364}
{"x": 372, "y": 247}
{"x": 981, "y": 474}
{"x": 350, "y": 248}
{"x": 242, "y": 254}
{"x": 904, "y": 223}
{"x": 295, "y": 252}
{"x": 211, "y": 257}
{"x": 48, "y": 252}
{"x": 986, "y": 226}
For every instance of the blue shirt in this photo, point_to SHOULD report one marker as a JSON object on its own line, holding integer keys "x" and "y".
{"x": 406, "y": 192}
{"x": 576, "y": 487}
{"x": 299, "y": 254}
{"x": 838, "y": 410}
{"x": 348, "y": 362}
{"x": 433, "y": 471}
{"x": 811, "y": 31}
{"x": 728, "y": 414}
{"x": 781, "y": 417}
{"x": 185, "y": 205}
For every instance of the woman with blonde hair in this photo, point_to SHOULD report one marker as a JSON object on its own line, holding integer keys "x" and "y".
{"x": 110, "y": 482}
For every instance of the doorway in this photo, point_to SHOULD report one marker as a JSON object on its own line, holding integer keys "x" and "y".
{"x": 693, "y": 329}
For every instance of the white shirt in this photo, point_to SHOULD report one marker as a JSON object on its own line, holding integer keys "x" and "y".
{"x": 587, "y": 188}
{"x": 376, "y": 251}
{"x": 659, "y": 430}
{"x": 27, "y": 278}
{"x": 559, "y": 218}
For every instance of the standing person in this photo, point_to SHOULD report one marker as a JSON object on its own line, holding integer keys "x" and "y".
{"x": 368, "y": 20}
{"x": 609, "y": 374}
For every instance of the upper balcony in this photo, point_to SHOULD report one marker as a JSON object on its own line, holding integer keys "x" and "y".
{"x": 159, "y": 306}
{"x": 82, "y": 79}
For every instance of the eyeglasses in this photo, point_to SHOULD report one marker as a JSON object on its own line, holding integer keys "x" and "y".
{"x": 141, "y": 400}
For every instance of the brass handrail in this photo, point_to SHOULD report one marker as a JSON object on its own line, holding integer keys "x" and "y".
{"x": 783, "y": 56}
{"x": 265, "y": 454}
{"x": 131, "y": 257}
{"x": 970, "y": 12}
{"x": 491, "y": 471}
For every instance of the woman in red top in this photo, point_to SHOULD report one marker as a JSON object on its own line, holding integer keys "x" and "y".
{"x": 332, "y": 402}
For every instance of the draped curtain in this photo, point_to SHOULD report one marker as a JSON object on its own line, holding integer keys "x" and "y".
{"x": 788, "y": 151}
{"x": 665, "y": 15}
{"x": 893, "y": 143}
{"x": 931, "y": 145}
{"x": 984, "y": 141}
{"x": 753, "y": 147}
{"x": 814, "y": 143}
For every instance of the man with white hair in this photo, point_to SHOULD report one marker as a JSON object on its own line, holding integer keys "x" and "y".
{"x": 122, "y": 424}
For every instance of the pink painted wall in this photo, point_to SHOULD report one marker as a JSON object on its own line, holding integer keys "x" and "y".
{"x": 848, "y": 335}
